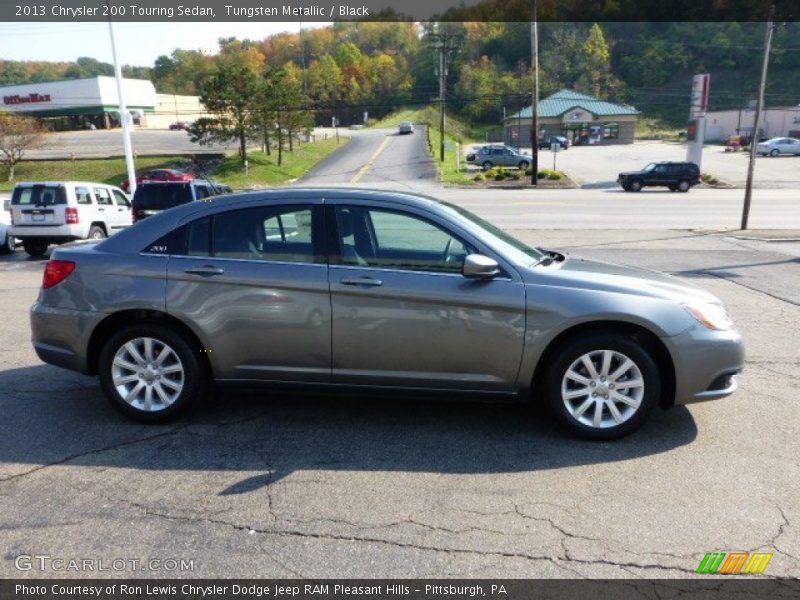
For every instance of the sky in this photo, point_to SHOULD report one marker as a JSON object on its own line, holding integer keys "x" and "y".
{"x": 137, "y": 43}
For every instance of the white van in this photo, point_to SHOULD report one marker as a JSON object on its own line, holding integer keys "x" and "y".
{"x": 55, "y": 212}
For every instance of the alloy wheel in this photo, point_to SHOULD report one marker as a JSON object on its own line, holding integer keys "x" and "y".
{"x": 602, "y": 389}
{"x": 147, "y": 374}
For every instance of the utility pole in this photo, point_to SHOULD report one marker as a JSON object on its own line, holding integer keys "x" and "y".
{"x": 535, "y": 95}
{"x": 521, "y": 105}
{"x": 748, "y": 188}
{"x": 444, "y": 44}
{"x": 124, "y": 117}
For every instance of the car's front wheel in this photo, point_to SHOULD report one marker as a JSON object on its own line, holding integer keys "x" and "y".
{"x": 150, "y": 372}
{"x": 487, "y": 165}
{"x": 602, "y": 386}
{"x": 523, "y": 165}
{"x": 635, "y": 186}
{"x": 774, "y": 152}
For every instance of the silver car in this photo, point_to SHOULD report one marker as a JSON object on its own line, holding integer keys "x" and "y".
{"x": 778, "y": 146}
{"x": 376, "y": 291}
{"x": 499, "y": 156}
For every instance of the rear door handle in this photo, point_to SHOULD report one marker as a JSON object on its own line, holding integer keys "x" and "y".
{"x": 206, "y": 271}
{"x": 367, "y": 281}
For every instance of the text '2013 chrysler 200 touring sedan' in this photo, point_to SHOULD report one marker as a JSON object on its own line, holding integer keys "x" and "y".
{"x": 378, "y": 291}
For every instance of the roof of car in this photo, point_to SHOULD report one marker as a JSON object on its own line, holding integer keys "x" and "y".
{"x": 27, "y": 183}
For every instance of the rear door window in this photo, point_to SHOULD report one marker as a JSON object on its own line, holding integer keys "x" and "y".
{"x": 103, "y": 197}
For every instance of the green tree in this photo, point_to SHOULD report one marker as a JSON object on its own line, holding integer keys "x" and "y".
{"x": 18, "y": 134}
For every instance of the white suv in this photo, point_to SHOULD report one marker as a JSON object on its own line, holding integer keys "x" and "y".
{"x": 57, "y": 212}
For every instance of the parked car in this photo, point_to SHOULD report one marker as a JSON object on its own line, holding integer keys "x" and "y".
{"x": 56, "y": 212}
{"x": 8, "y": 242}
{"x": 779, "y": 145}
{"x": 180, "y": 125}
{"x": 158, "y": 175}
{"x": 379, "y": 292}
{"x": 677, "y": 176}
{"x": 405, "y": 127}
{"x": 547, "y": 142}
{"x": 151, "y": 198}
{"x": 499, "y": 156}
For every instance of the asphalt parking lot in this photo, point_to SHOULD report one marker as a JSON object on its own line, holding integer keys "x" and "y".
{"x": 277, "y": 485}
{"x": 598, "y": 166}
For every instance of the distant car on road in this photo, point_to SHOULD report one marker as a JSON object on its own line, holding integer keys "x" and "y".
{"x": 547, "y": 142}
{"x": 405, "y": 127}
{"x": 677, "y": 176}
{"x": 180, "y": 125}
{"x": 151, "y": 198}
{"x": 158, "y": 175}
{"x": 779, "y": 145}
{"x": 379, "y": 292}
{"x": 56, "y": 212}
{"x": 499, "y": 156}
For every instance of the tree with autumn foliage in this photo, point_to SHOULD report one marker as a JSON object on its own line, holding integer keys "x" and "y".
{"x": 18, "y": 134}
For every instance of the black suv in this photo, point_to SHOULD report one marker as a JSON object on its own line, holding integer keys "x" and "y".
{"x": 151, "y": 198}
{"x": 677, "y": 176}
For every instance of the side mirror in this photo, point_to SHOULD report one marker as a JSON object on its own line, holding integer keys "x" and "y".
{"x": 478, "y": 266}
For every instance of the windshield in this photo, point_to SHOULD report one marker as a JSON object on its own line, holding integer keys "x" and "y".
{"x": 516, "y": 251}
{"x": 650, "y": 167}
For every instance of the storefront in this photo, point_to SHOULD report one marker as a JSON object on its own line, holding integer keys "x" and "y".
{"x": 582, "y": 119}
{"x": 81, "y": 103}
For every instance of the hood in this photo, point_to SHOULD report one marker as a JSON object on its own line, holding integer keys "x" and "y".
{"x": 607, "y": 277}
{"x": 629, "y": 173}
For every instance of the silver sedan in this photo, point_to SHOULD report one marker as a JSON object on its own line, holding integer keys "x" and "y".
{"x": 380, "y": 292}
{"x": 778, "y": 146}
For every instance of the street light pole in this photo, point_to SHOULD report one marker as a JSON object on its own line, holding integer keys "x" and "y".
{"x": 124, "y": 117}
{"x": 535, "y": 95}
{"x": 748, "y": 188}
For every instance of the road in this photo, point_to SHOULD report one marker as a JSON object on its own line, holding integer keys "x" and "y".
{"x": 279, "y": 485}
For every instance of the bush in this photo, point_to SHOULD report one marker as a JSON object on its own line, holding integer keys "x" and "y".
{"x": 529, "y": 171}
{"x": 709, "y": 178}
{"x": 500, "y": 175}
{"x": 479, "y": 177}
{"x": 516, "y": 175}
{"x": 550, "y": 174}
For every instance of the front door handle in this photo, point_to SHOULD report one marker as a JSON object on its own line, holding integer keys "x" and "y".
{"x": 367, "y": 281}
{"x": 206, "y": 271}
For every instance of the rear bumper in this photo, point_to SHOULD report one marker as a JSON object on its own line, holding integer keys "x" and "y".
{"x": 60, "y": 337}
{"x": 55, "y": 233}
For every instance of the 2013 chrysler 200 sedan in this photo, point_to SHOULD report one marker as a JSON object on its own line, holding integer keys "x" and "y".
{"x": 378, "y": 291}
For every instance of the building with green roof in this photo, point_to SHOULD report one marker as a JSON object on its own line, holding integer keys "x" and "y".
{"x": 581, "y": 118}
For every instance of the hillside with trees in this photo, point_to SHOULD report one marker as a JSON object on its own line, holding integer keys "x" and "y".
{"x": 348, "y": 68}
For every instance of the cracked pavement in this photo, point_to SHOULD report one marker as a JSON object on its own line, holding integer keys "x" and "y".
{"x": 285, "y": 485}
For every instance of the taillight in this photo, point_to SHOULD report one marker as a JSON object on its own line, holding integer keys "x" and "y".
{"x": 71, "y": 215}
{"x": 11, "y": 212}
{"x": 56, "y": 271}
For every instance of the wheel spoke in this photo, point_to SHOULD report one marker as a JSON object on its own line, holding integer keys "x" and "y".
{"x": 606, "y": 364}
{"x": 577, "y": 377}
{"x": 132, "y": 350}
{"x": 161, "y": 393}
{"x": 172, "y": 384}
{"x": 148, "y": 398}
{"x": 632, "y": 402}
{"x": 632, "y": 383}
{"x": 148, "y": 349}
{"x": 587, "y": 362}
{"x": 612, "y": 408}
{"x": 134, "y": 392}
{"x": 598, "y": 412}
{"x": 123, "y": 379}
{"x": 623, "y": 368}
{"x": 572, "y": 394}
{"x": 582, "y": 408}
{"x": 176, "y": 368}
{"x": 165, "y": 351}
{"x": 124, "y": 364}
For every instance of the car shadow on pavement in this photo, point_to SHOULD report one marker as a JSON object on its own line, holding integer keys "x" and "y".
{"x": 52, "y": 417}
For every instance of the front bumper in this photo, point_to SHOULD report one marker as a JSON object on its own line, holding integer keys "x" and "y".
{"x": 706, "y": 363}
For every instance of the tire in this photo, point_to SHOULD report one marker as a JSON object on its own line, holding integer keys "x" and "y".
{"x": 635, "y": 185}
{"x": 774, "y": 153}
{"x": 96, "y": 233}
{"x": 487, "y": 165}
{"x": 684, "y": 186}
{"x": 181, "y": 367}
{"x": 35, "y": 247}
{"x": 673, "y": 188}
{"x": 523, "y": 165}
{"x": 577, "y": 412}
{"x": 626, "y": 187}
{"x": 9, "y": 245}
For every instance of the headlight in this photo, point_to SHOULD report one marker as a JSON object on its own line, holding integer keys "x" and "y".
{"x": 711, "y": 315}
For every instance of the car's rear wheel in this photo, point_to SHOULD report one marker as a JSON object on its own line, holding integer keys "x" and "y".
{"x": 683, "y": 186}
{"x": 775, "y": 152}
{"x": 523, "y": 165}
{"x": 673, "y": 188}
{"x": 9, "y": 244}
{"x": 635, "y": 186}
{"x": 602, "y": 386}
{"x": 150, "y": 372}
{"x": 97, "y": 233}
{"x": 487, "y": 165}
{"x": 35, "y": 247}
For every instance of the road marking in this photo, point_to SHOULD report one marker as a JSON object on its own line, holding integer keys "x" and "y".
{"x": 363, "y": 170}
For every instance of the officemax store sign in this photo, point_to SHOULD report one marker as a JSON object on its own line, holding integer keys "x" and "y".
{"x": 29, "y": 99}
